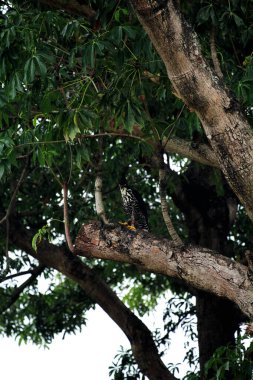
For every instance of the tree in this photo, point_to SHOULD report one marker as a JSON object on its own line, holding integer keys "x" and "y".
{"x": 85, "y": 97}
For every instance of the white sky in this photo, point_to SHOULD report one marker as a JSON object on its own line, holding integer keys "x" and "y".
{"x": 85, "y": 356}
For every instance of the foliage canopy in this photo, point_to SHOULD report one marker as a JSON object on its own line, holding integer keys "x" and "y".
{"x": 84, "y": 94}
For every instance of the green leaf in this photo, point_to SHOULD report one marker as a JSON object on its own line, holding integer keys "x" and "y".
{"x": 43, "y": 232}
{"x": 75, "y": 118}
{"x": 36, "y": 238}
{"x": 29, "y": 70}
{"x": 239, "y": 22}
{"x": 1, "y": 171}
{"x": 204, "y": 13}
{"x": 79, "y": 160}
{"x": 14, "y": 85}
{"x": 12, "y": 91}
{"x": 129, "y": 120}
{"x": 41, "y": 66}
{"x": 92, "y": 56}
{"x": 119, "y": 12}
{"x": 3, "y": 99}
{"x": 41, "y": 157}
{"x": 73, "y": 132}
{"x": 131, "y": 31}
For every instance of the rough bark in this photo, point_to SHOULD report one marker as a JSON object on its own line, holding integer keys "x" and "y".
{"x": 201, "y": 153}
{"x": 142, "y": 344}
{"x": 208, "y": 219}
{"x": 200, "y": 267}
{"x": 203, "y": 92}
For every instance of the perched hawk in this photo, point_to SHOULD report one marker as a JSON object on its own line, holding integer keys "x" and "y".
{"x": 134, "y": 206}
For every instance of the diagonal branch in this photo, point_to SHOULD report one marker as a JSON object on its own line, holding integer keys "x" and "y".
{"x": 200, "y": 267}
{"x": 143, "y": 347}
{"x": 14, "y": 275}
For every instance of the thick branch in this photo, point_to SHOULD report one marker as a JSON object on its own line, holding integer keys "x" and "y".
{"x": 143, "y": 347}
{"x": 201, "y": 153}
{"x": 195, "y": 83}
{"x": 200, "y": 267}
{"x": 73, "y": 7}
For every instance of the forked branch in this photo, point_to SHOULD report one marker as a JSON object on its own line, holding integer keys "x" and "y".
{"x": 143, "y": 346}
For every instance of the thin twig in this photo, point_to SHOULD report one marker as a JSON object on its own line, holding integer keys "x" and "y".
{"x": 108, "y": 134}
{"x": 150, "y": 118}
{"x": 6, "y": 218}
{"x": 14, "y": 195}
{"x": 66, "y": 218}
{"x": 15, "y": 295}
{"x": 54, "y": 174}
{"x": 164, "y": 206}
{"x": 7, "y": 249}
{"x": 173, "y": 124}
{"x": 235, "y": 51}
{"x": 14, "y": 275}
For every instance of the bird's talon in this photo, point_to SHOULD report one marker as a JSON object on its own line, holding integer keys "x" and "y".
{"x": 131, "y": 228}
{"x": 123, "y": 223}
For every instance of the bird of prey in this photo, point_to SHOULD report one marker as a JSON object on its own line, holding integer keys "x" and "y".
{"x": 134, "y": 206}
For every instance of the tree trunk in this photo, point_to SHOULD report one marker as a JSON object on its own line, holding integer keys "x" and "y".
{"x": 198, "y": 86}
{"x": 209, "y": 218}
{"x": 217, "y": 321}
